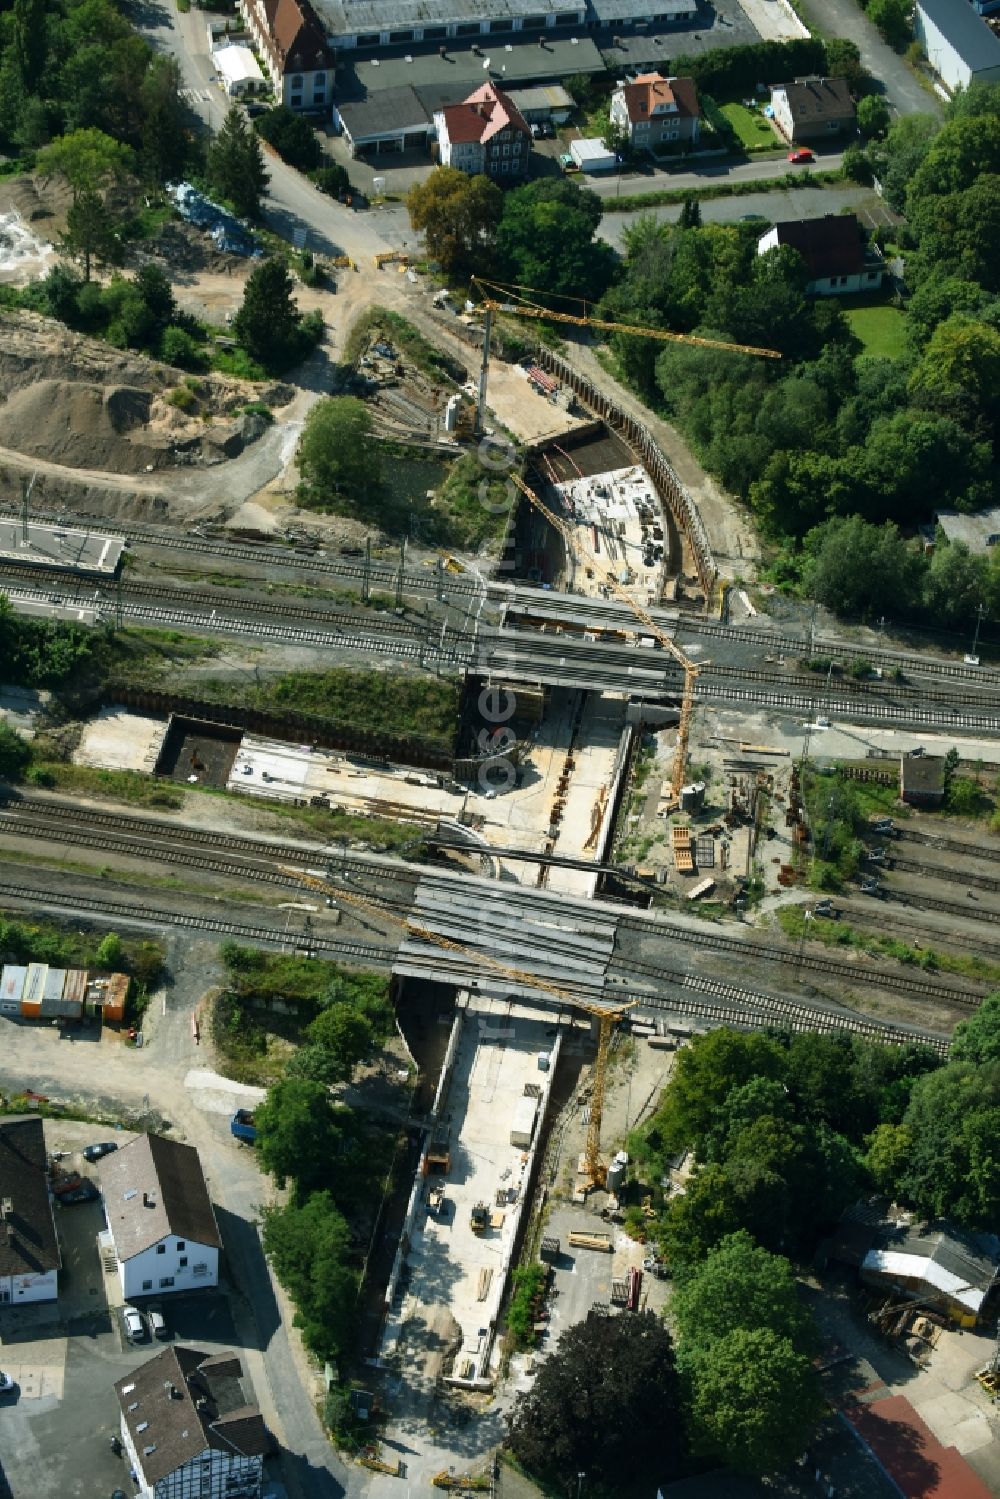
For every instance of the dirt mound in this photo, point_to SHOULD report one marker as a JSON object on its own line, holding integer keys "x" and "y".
{"x": 83, "y": 426}
{"x": 34, "y": 348}
{"x": 43, "y": 204}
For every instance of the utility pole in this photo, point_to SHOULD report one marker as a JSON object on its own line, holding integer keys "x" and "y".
{"x": 366, "y": 587}
{"x": 119, "y": 606}
{"x": 483, "y": 371}
{"x": 972, "y": 658}
{"x": 26, "y": 488}
{"x": 399, "y": 575}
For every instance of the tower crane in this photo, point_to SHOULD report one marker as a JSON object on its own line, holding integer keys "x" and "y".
{"x": 608, "y": 578}
{"x": 607, "y": 1017}
{"x": 507, "y": 299}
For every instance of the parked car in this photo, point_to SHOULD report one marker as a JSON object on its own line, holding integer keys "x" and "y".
{"x": 85, "y": 1192}
{"x": 6, "y": 1383}
{"x": 98, "y": 1151}
{"x": 800, "y": 157}
{"x": 156, "y": 1322}
{"x": 135, "y": 1324}
{"x": 61, "y": 1185}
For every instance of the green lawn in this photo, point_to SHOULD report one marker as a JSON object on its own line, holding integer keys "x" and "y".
{"x": 751, "y": 129}
{"x": 880, "y": 327}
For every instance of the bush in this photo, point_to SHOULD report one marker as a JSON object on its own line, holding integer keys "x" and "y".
{"x": 183, "y": 398}
{"x": 179, "y": 348}
{"x": 332, "y": 180}
{"x": 291, "y": 135}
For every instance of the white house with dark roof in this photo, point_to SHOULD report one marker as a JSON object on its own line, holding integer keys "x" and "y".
{"x": 188, "y": 1430}
{"x": 960, "y": 46}
{"x": 160, "y": 1217}
{"x": 29, "y": 1250}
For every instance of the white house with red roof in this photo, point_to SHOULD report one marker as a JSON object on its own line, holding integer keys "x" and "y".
{"x": 655, "y": 110}
{"x": 485, "y": 134}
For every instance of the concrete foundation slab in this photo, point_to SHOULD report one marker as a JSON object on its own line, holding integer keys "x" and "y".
{"x": 61, "y": 547}
{"x": 118, "y": 739}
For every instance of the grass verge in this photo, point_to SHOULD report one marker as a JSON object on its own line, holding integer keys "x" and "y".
{"x": 880, "y": 327}
{"x": 792, "y": 922}
{"x": 380, "y": 322}
{"x": 636, "y": 202}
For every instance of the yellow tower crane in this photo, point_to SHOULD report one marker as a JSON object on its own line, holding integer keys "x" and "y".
{"x": 607, "y": 1017}
{"x": 608, "y": 578}
{"x": 509, "y": 299}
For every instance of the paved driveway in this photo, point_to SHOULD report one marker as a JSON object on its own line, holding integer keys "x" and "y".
{"x": 845, "y": 18}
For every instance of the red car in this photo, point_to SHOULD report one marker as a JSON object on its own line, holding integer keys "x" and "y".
{"x": 800, "y": 157}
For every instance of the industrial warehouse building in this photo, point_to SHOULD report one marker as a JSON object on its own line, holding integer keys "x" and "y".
{"x": 960, "y": 46}
{"x": 366, "y": 24}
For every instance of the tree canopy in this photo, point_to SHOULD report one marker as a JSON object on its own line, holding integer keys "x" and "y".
{"x": 234, "y": 164}
{"x": 607, "y": 1401}
{"x": 299, "y": 1130}
{"x": 546, "y": 240}
{"x": 338, "y": 456}
{"x": 458, "y": 216}
{"x": 269, "y": 324}
{"x": 291, "y": 135}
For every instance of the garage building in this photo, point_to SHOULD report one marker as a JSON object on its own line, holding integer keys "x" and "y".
{"x": 960, "y": 46}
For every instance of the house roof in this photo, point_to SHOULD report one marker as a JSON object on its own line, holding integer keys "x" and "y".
{"x": 514, "y": 61}
{"x": 382, "y": 113}
{"x": 295, "y": 37}
{"x": 812, "y": 99}
{"x": 978, "y": 531}
{"x": 956, "y": 1264}
{"x": 651, "y": 92}
{"x": 28, "y": 1243}
{"x": 907, "y": 1449}
{"x": 183, "y": 1402}
{"x": 830, "y": 246}
{"x": 237, "y": 64}
{"x": 154, "y": 1187}
{"x": 486, "y": 112}
{"x": 974, "y": 41}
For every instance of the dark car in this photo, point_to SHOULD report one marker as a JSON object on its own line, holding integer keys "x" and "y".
{"x": 102, "y": 1148}
{"x": 85, "y": 1192}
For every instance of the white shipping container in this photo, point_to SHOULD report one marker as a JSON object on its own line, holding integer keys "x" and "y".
{"x": 523, "y": 1127}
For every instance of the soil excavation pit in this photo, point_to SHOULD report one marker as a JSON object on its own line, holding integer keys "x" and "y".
{"x": 198, "y": 752}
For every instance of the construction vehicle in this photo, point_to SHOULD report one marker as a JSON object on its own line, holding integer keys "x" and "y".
{"x": 477, "y": 1483}
{"x": 479, "y": 1218}
{"x": 610, "y": 580}
{"x": 508, "y": 299}
{"x": 606, "y": 1016}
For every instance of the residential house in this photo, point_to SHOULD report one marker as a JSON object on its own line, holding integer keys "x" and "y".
{"x": 293, "y": 48}
{"x": 938, "y": 1265}
{"x": 161, "y": 1223}
{"x": 834, "y": 251}
{"x": 979, "y": 530}
{"x": 960, "y": 46}
{"x": 485, "y": 133}
{"x": 921, "y": 780}
{"x": 812, "y": 110}
{"x": 29, "y": 1250}
{"x": 187, "y": 1429}
{"x": 655, "y": 111}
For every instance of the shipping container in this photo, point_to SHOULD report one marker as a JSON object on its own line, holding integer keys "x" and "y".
{"x": 523, "y": 1126}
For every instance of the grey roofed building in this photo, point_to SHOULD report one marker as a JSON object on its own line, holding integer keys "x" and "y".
{"x": 978, "y": 531}
{"x": 960, "y": 46}
{"x": 186, "y": 1409}
{"x": 392, "y": 118}
{"x": 154, "y": 1187}
{"x": 457, "y": 74}
{"x": 29, "y": 1249}
{"x": 543, "y": 101}
{"x": 937, "y": 1263}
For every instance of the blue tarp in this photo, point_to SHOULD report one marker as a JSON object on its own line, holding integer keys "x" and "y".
{"x": 228, "y": 234}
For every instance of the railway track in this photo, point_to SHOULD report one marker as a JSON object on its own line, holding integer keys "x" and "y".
{"x": 950, "y": 845}
{"x": 972, "y": 912}
{"x": 768, "y": 1009}
{"x": 143, "y": 914}
{"x": 768, "y": 953}
{"x": 815, "y": 688}
{"x": 222, "y": 624}
{"x": 950, "y": 876}
{"x": 841, "y": 650}
{"x": 380, "y": 574}
{"x": 803, "y": 703}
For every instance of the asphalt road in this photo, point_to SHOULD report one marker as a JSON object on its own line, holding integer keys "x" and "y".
{"x": 845, "y": 18}
{"x": 714, "y": 169}
{"x": 770, "y": 208}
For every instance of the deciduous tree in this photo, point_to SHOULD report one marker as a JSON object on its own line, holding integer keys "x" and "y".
{"x": 739, "y": 1284}
{"x": 87, "y": 159}
{"x": 546, "y": 240}
{"x": 309, "y": 1246}
{"x": 607, "y": 1402}
{"x": 755, "y": 1401}
{"x": 298, "y": 1134}
{"x": 291, "y": 135}
{"x": 338, "y": 457}
{"x": 458, "y": 216}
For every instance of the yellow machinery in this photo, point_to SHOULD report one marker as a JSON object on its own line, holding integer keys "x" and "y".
{"x": 608, "y": 578}
{"x": 391, "y": 257}
{"x": 469, "y": 1482}
{"x": 607, "y": 1018}
{"x": 508, "y": 299}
